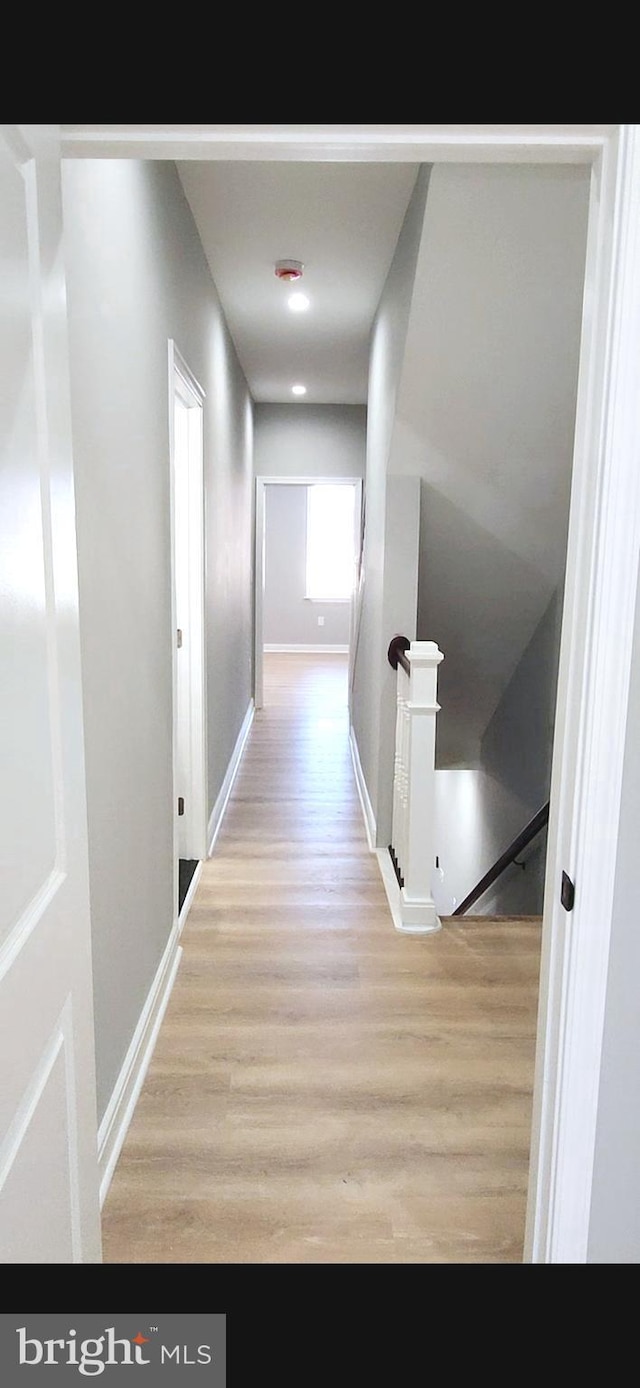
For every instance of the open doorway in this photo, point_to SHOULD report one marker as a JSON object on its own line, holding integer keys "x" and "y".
{"x": 594, "y": 673}
{"x": 190, "y": 798}
{"x": 307, "y": 551}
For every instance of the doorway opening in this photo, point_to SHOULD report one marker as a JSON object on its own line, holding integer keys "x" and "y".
{"x": 307, "y": 556}
{"x": 597, "y": 637}
{"x": 189, "y": 692}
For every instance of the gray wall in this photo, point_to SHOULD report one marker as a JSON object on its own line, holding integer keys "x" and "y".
{"x": 476, "y": 819}
{"x": 518, "y": 742}
{"x": 288, "y": 616}
{"x": 515, "y": 754}
{"x": 370, "y": 677}
{"x": 520, "y": 889}
{"x": 136, "y": 276}
{"x": 310, "y": 440}
{"x": 615, "y": 1200}
{"x": 399, "y": 613}
{"x": 485, "y": 416}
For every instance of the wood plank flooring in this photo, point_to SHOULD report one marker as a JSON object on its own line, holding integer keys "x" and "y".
{"x": 324, "y": 1089}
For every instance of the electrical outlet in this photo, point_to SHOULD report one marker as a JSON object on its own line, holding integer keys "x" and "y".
{"x": 320, "y": 621}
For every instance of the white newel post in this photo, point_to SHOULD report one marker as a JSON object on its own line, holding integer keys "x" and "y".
{"x": 414, "y": 792}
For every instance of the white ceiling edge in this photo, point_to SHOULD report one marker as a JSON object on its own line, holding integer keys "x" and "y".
{"x": 493, "y": 143}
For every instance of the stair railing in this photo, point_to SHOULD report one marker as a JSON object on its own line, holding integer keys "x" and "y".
{"x": 521, "y": 841}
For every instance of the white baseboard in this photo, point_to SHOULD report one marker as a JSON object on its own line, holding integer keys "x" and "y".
{"x": 114, "y": 1125}
{"x": 365, "y": 801}
{"x": 318, "y": 649}
{"x": 390, "y": 883}
{"x": 217, "y": 813}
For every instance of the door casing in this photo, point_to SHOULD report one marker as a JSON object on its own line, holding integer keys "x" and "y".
{"x": 597, "y": 630}
{"x": 188, "y": 613}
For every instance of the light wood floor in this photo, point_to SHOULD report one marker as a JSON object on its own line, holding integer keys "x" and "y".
{"x": 324, "y": 1089}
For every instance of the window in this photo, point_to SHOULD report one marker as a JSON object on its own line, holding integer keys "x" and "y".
{"x": 330, "y": 542}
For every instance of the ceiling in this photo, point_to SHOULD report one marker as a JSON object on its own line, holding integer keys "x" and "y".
{"x": 342, "y": 221}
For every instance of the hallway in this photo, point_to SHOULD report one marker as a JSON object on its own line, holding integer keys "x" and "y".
{"x": 323, "y": 1089}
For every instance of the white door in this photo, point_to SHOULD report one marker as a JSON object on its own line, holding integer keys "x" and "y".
{"x": 183, "y": 696}
{"x": 190, "y": 743}
{"x": 49, "y": 1210}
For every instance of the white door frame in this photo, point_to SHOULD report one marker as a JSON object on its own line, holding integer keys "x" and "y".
{"x": 183, "y": 385}
{"x": 597, "y": 634}
{"x": 260, "y": 559}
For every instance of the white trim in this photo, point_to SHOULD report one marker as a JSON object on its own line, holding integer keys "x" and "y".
{"x": 398, "y": 915}
{"x": 318, "y": 649}
{"x": 588, "y": 761}
{"x": 119, "y": 1111}
{"x": 587, "y": 770}
{"x": 190, "y": 383}
{"x": 363, "y": 793}
{"x": 191, "y": 891}
{"x": 184, "y": 385}
{"x": 217, "y": 813}
{"x": 258, "y": 591}
{"x": 311, "y": 481}
{"x": 576, "y": 144}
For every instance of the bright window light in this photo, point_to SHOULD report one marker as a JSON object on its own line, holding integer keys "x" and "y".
{"x": 330, "y": 542}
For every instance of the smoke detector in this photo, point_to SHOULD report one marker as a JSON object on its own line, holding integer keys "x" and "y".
{"x": 289, "y": 269}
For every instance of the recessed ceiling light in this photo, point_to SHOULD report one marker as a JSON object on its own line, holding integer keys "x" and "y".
{"x": 298, "y": 390}
{"x": 298, "y": 302}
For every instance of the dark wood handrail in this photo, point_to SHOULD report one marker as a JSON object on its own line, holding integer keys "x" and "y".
{"x": 524, "y": 838}
{"x": 396, "y": 653}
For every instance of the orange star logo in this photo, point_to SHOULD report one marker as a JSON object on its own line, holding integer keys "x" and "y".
{"x": 140, "y": 1339}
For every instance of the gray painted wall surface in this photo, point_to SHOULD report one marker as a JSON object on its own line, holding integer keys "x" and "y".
{"x": 310, "y": 440}
{"x": 520, "y": 889}
{"x": 136, "y": 276}
{"x": 477, "y": 816}
{"x": 387, "y": 347}
{"x": 481, "y": 602}
{"x": 518, "y": 742}
{"x": 615, "y": 1202}
{"x": 399, "y": 613}
{"x": 481, "y": 811}
{"x": 288, "y": 616}
{"x": 485, "y": 416}
{"x": 516, "y": 753}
